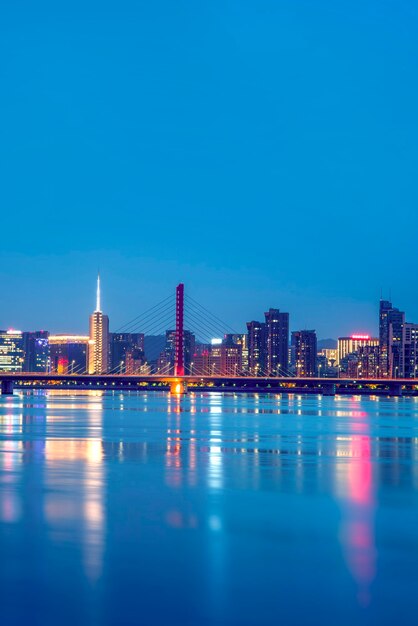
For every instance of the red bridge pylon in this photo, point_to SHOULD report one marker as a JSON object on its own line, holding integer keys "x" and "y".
{"x": 179, "y": 352}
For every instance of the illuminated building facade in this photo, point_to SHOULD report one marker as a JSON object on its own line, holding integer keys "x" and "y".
{"x": 98, "y": 352}
{"x": 327, "y": 362}
{"x": 231, "y": 359}
{"x": 68, "y": 354}
{"x": 410, "y": 350}
{"x": 11, "y": 351}
{"x": 348, "y": 345}
{"x": 256, "y": 341}
{"x": 36, "y": 349}
{"x": 215, "y": 360}
{"x": 364, "y": 363}
{"x": 391, "y": 323}
{"x": 304, "y": 350}
{"x": 277, "y": 342}
{"x": 241, "y": 340}
{"x": 222, "y": 358}
{"x": 201, "y": 359}
{"x": 331, "y": 356}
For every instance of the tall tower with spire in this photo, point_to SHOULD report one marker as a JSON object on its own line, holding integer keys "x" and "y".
{"x": 99, "y": 338}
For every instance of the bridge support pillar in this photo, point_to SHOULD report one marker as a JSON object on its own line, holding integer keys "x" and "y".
{"x": 6, "y": 387}
{"x": 328, "y": 389}
{"x": 178, "y": 387}
{"x": 395, "y": 390}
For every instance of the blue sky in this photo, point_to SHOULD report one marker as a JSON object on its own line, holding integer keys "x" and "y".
{"x": 263, "y": 152}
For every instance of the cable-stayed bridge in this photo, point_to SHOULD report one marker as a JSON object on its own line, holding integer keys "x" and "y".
{"x": 187, "y": 364}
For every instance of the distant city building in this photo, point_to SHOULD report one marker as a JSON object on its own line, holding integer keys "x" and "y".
{"x": 327, "y": 359}
{"x": 11, "y": 351}
{"x": 256, "y": 341}
{"x": 410, "y": 348}
{"x": 126, "y": 351}
{"x": 331, "y": 355}
{"x": 304, "y": 350}
{"x": 68, "y": 354}
{"x": 136, "y": 362}
{"x": 348, "y": 345}
{"x": 231, "y": 359}
{"x": 364, "y": 363}
{"x": 98, "y": 352}
{"x": 215, "y": 360}
{"x": 36, "y": 350}
{"x": 368, "y": 361}
{"x": 165, "y": 362}
{"x": 277, "y": 342}
{"x": 240, "y": 340}
{"x": 391, "y": 322}
{"x": 189, "y": 343}
{"x": 200, "y": 365}
{"x": 218, "y": 359}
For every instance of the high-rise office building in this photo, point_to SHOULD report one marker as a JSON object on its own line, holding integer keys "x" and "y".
{"x": 304, "y": 350}
{"x": 68, "y": 354}
{"x": 277, "y": 342}
{"x": 36, "y": 349}
{"x": 256, "y": 342}
{"x": 11, "y": 351}
{"x": 391, "y": 322}
{"x": 98, "y": 353}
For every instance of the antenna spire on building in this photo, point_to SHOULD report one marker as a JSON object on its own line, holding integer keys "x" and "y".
{"x": 98, "y": 293}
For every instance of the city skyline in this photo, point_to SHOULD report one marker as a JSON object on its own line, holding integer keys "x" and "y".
{"x": 194, "y": 341}
{"x": 370, "y": 326}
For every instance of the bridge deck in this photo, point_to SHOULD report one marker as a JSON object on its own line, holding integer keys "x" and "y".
{"x": 330, "y": 386}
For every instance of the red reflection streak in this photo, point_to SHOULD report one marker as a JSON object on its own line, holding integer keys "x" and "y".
{"x": 357, "y": 528}
{"x": 360, "y": 471}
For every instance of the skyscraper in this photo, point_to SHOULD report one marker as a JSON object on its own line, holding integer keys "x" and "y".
{"x": 256, "y": 348}
{"x": 11, "y": 351}
{"x": 410, "y": 348}
{"x": 304, "y": 348}
{"x": 36, "y": 349}
{"x": 391, "y": 323}
{"x": 277, "y": 342}
{"x": 98, "y": 357}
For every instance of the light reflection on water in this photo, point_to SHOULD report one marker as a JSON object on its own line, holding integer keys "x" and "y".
{"x": 233, "y": 509}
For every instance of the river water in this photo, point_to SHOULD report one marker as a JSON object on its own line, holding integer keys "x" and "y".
{"x": 208, "y": 509}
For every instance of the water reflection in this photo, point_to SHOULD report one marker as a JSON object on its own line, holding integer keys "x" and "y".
{"x": 224, "y": 503}
{"x": 356, "y": 492}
